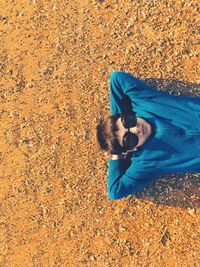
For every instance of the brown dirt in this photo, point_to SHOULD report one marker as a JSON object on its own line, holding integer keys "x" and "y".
{"x": 56, "y": 59}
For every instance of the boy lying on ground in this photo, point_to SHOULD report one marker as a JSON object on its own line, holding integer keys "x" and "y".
{"x": 160, "y": 131}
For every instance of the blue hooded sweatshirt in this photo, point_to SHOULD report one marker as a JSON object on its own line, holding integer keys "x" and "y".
{"x": 174, "y": 145}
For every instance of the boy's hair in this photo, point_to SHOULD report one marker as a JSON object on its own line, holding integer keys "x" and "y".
{"x": 107, "y": 136}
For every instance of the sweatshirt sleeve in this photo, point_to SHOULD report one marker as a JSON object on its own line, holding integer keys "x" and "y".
{"x": 121, "y": 183}
{"x": 124, "y": 84}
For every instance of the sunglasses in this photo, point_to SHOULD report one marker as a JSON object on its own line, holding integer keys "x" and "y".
{"x": 130, "y": 140}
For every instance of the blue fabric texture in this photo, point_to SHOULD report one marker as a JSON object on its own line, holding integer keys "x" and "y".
{"x": 173, "y": 147}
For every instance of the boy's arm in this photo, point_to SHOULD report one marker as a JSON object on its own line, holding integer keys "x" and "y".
{"x": 124, "y": 85}
{"x": 122, "y": 183}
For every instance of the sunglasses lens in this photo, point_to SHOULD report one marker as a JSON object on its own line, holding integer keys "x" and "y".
{"x": 130, "y": 141}
{"x": 129, "y": 121}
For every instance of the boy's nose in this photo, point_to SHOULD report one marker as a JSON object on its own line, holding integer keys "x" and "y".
{"x": 136, "y": 130}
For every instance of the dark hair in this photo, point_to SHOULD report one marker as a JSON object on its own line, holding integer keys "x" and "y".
{"x": 106, "y": 135}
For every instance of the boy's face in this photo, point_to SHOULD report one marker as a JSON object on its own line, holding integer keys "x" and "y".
{"x": 142, "y": 129}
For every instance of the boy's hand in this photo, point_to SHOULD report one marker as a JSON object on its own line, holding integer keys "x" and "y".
{"x": 116, "y": 157}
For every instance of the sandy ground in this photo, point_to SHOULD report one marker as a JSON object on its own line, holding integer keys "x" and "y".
{"x": 55, "y": 61}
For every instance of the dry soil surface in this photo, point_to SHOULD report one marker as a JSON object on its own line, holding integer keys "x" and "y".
{"x": 55, "y": 62}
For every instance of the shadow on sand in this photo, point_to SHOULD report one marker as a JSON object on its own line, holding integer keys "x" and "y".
{"x": 182, "y": 190}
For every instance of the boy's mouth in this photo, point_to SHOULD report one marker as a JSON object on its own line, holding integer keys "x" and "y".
{"x": 143, "y": 129}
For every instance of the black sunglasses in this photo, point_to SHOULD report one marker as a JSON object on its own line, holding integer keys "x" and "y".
{"x": 130, "y": 140}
